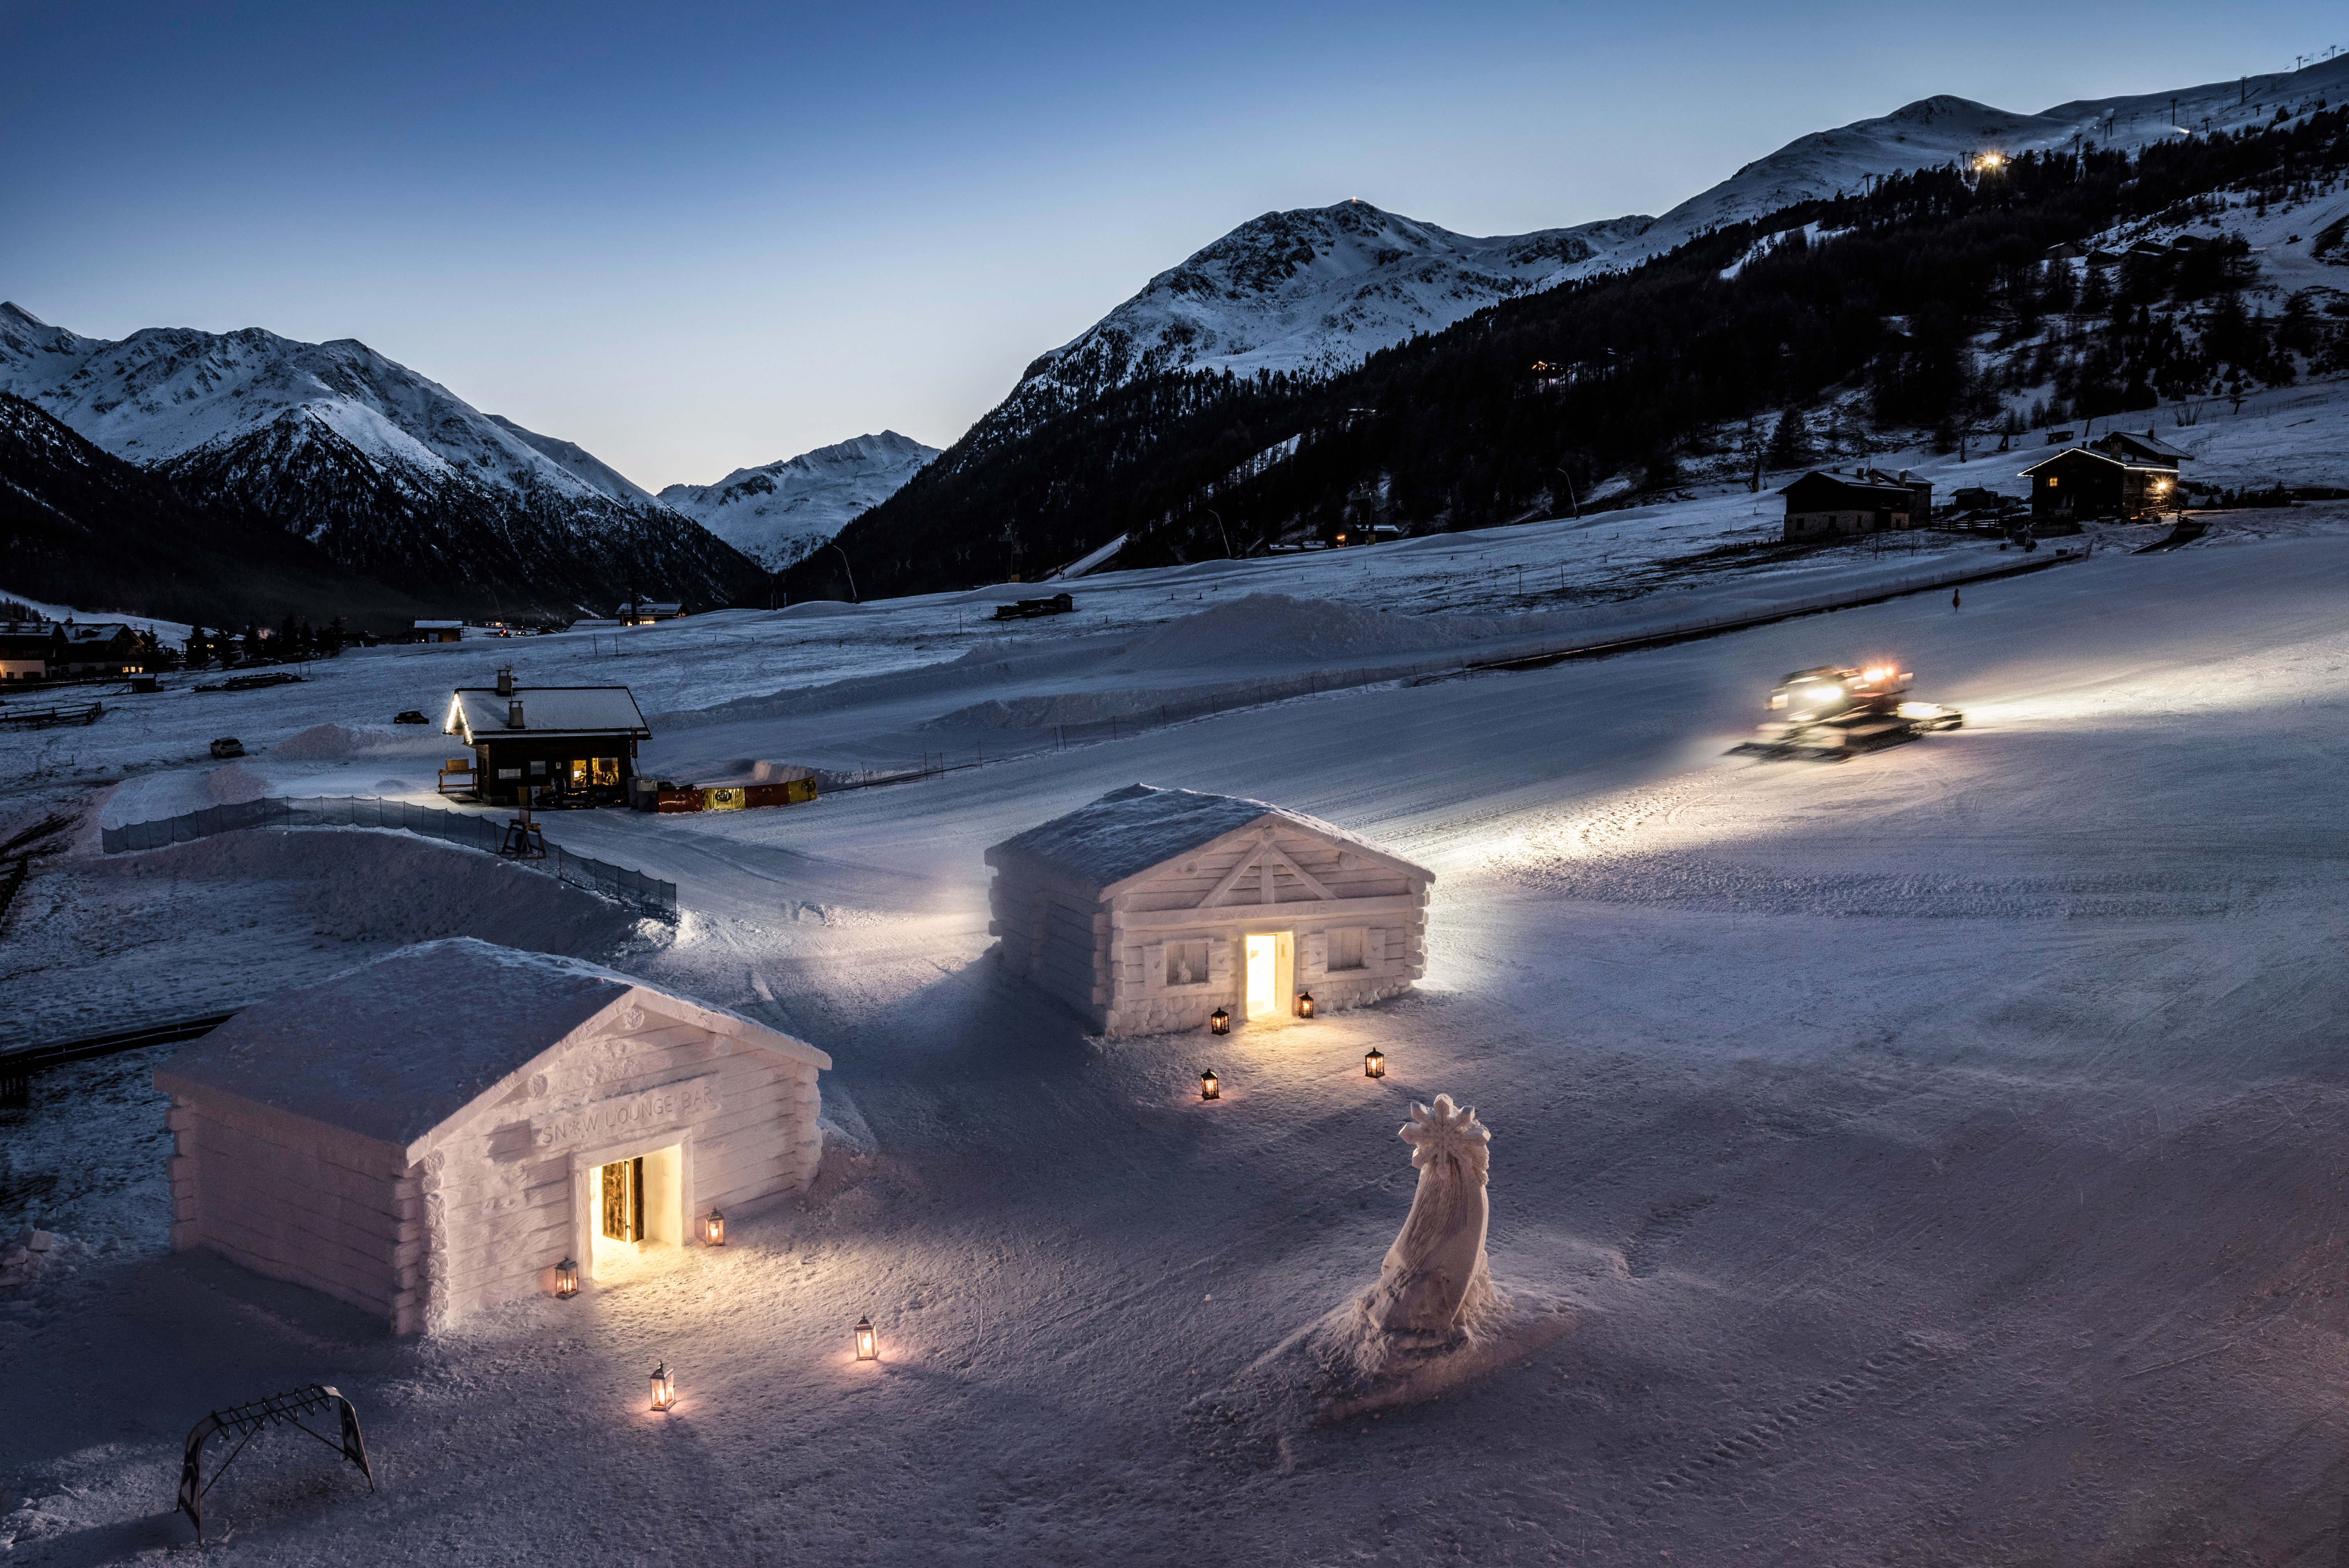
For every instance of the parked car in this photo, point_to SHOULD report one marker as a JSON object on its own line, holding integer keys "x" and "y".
{"x": 411, "y": 715}
{"x": 228, "y": 745}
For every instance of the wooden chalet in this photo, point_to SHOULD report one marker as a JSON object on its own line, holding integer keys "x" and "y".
{"x": 645, "y": 613}
{"x": 438, "y": 632}
{"x": 1822, "y": 505}
{"x": 2079, "y": 483}
{"x": 548, "y": 745}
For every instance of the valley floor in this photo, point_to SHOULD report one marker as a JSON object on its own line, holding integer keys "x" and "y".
{"x": 1940, "y": 1155}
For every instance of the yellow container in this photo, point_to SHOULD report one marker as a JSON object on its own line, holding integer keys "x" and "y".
{"x": 715, "y": 800}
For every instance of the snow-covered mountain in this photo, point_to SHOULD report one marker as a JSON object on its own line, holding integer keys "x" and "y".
{"x": 777, "y": 514}
{"x": 1317, "y": 290}
{"x": 387, "y": 472}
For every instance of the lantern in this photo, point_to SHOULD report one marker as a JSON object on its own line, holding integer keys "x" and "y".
{"x": 1374, "y": 1063}
{"x": 1305, "y": 1004}
{"x": 566, "y": 1278}
{"x": 1220, "y": 1022}
{"x": 664, "y": 1387}
{"x": 1210, "y": 1085}
{"x": 713, "y": 1228}
{"x": 865, "y": 1350}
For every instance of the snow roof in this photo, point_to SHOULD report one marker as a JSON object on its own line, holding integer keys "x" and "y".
{"x": 1887, "y": 486}
{"x": 545, "y": 710}
{"x": 1137, "y": 828}
{"x": 2148, "y": 445}
{"x": 2119, "y": 459}
{"x": 405, "y": 1045}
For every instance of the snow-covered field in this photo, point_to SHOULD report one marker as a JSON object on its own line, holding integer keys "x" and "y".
{"x": 1941, "y": 1153}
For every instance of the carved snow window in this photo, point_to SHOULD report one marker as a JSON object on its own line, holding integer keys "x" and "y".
{"x": 1187, "y": 964}
{"x": 1346, "y": 948}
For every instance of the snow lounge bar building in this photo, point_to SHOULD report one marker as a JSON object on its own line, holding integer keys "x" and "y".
{"x": 1149, "y": 909}
{"x": 434, "y": 1132}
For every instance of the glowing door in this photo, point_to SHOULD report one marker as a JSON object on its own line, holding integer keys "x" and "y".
{"x": 1259, "y": 975}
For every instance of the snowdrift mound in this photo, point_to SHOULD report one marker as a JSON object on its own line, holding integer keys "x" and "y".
{"x": 235, "y": 785}
{"x": 370, "y": 884}
{"x": 1345, "y": 1365}
{"x": 1276, "y": 629}
{"x": 327, "y": 743}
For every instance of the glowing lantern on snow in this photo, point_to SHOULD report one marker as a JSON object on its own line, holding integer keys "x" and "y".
{"x": 1374, "y": 1063}
{"x": 713, "y": 1228}
{"x": 1305, "y": 1004}
{"x": 1220, "y": 1022}
{"x": 865, "y": 1349}
{"x": 664, "y": 1387}
{"x": 1210, "y": 1085}
{"x": 566, "y": 1278}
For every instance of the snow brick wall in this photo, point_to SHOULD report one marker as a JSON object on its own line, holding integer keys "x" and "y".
{"x": 432, "y": 1133}
{"x": 1150, "y": 908}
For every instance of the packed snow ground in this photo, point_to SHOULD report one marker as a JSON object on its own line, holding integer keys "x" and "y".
{"x": 1941, "y": 1153}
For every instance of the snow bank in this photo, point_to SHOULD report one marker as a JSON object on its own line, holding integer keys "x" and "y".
{"x": 233, "y": 785}
{"x": 1274, "y": 628}
{"x": 370, "y": 884}
{"x": 327, "y": 743}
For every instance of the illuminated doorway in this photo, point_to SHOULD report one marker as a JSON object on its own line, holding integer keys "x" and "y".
{"x": 633, "y": 1205}
{"x": 1271, "y": 961}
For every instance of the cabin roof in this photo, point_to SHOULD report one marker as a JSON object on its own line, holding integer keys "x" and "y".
{"x": 2118, "y": 460}
{"x": 400, "y": 1047}
{"x": 1132, "y": 831}
{"x": 545, "y": 710}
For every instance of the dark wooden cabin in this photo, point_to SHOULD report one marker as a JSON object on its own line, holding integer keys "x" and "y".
{"x": 2081, "y": 482}
{"x": 563, "y": 745}
{"x": 1824, "y": 505}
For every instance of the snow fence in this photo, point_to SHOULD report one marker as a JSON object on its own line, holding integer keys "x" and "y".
{"x": 368, "y": 811}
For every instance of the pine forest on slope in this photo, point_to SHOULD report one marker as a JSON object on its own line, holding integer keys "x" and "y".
{"x": 1889, "y": 294}
{"x": 80, "y": 526}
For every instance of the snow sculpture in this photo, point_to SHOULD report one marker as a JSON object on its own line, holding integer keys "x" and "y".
{"x": 1434, "y": 1278}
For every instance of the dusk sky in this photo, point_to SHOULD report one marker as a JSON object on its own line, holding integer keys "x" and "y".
{"x": 696, "y": 237}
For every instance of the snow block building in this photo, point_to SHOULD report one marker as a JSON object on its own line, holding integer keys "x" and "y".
{"x": 1149, "y": 909}
{"x": 433, "y": 1133}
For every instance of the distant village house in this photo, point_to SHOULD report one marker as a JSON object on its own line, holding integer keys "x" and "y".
{"x": 645, "y": 613}
{"x": 439, "y": 630}
{"x": 1823, "y": 505}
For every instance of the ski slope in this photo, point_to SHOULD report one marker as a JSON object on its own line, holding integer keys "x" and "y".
{"x": 1938, "y": 1155}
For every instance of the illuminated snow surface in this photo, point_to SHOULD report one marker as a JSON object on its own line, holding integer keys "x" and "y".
{"x": 1934, "y": 1159}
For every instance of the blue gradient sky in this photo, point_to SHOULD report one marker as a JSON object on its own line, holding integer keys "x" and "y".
{"x": 693, "y": 237}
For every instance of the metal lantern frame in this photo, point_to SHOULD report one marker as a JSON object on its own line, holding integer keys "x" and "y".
{"x": 1219, "y": 1022}
{"x": 867, "y": 1346}
{"x": 713, "y": 1228}
{"x": 1210, "y": 1085}
{"x": 664, "y": 1389}
{"x": 567, "y": 1279}
{"x": 1305, "y": 1003}
{"x": 1374, "y": 1063}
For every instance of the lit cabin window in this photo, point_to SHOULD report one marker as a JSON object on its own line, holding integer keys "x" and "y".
{"x": 1346, "y": 948}
{"x": 2051, "y": 482}
{"x": 607, "y": 772}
